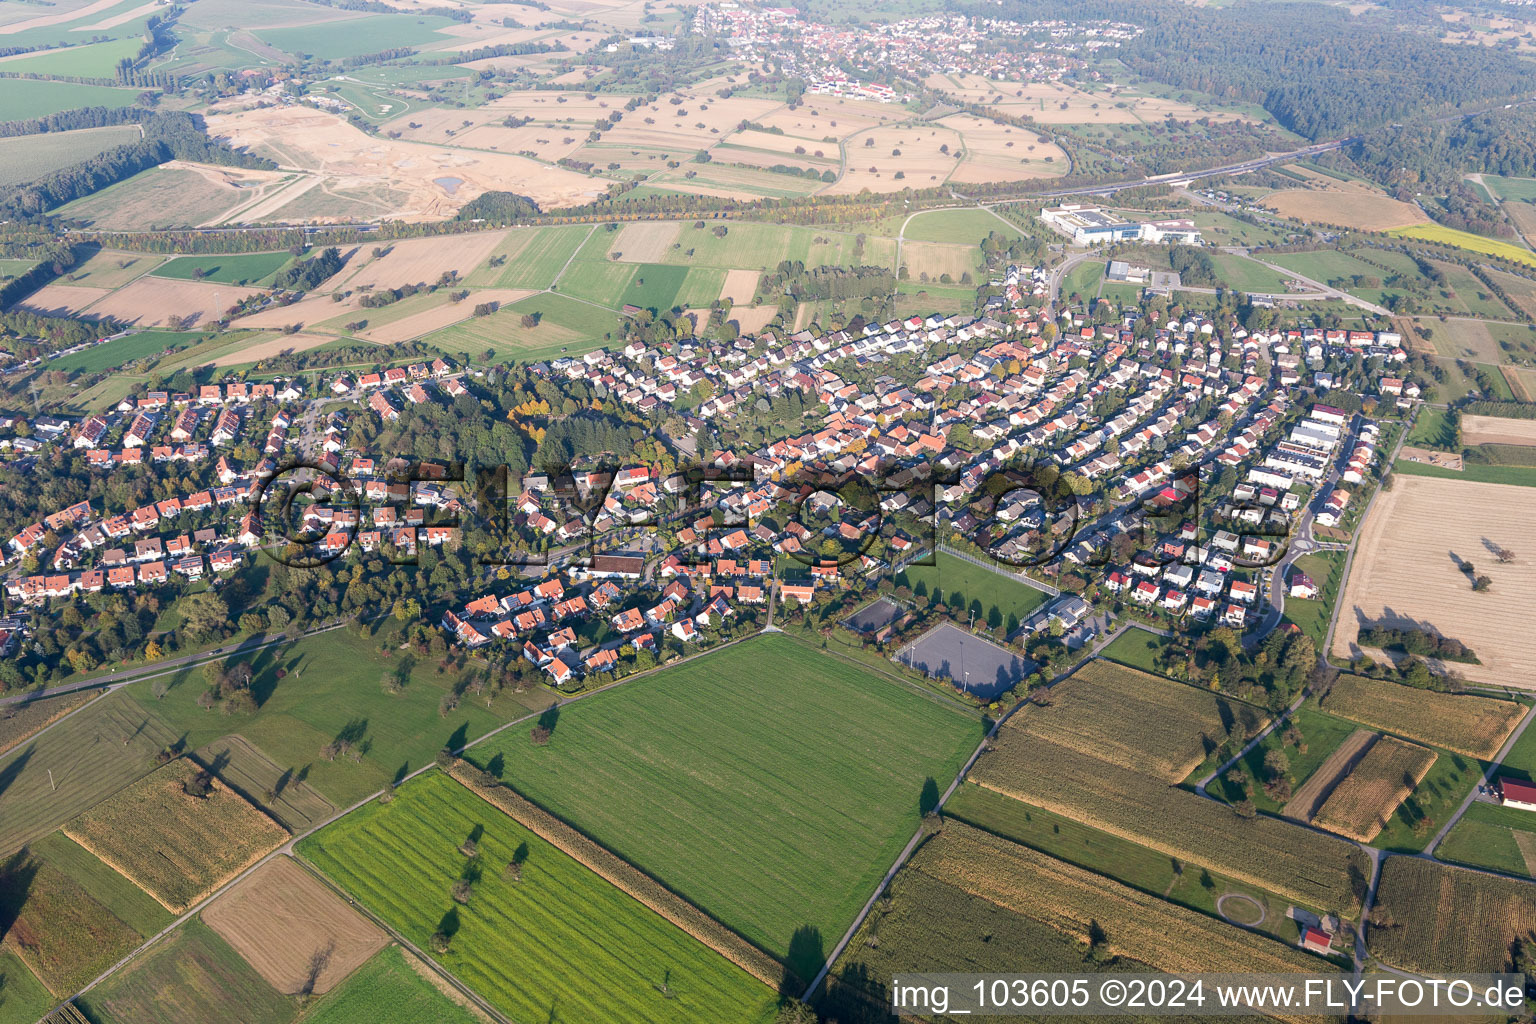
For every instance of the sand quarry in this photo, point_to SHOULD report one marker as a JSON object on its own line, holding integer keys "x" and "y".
{"x": 436, "y": 180}
{"x": 1405, "y": 573}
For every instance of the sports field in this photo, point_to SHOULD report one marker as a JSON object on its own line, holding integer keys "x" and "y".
{"x": 769, "y": 783}
{"x": 541, "y": 945}
{"x": 996, "y": 599}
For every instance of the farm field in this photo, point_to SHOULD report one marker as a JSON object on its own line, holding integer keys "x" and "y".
{"x": 64, "y": 935}
{"x": 1393, "y": 582}
{"x": 1271, "y": 854}
{"x": 514, "y": 941}
{"x": 112, "y": 268}
{"x": 996, "y": 599}
{"x": 390, "y": 989}
{"x": 253, "y": 775}
{"x": 21, "y": 720}
{"x": 331, "y": 693}
{"x": 1475, "y": 726}
{"x": 1322, "y": 734}
{"x": 178, "y": 847}
{"x": 1469, "y": 241}
{"x": 1503, "y": 476}
{"x": 1364, "y": 801}
{"x": 958, "y": 227}
{"x": 1137, "y": 925}
{"x": 248, "y": 268}
{"x": 1497, "y": 430}
{"x": 191, "y": 977}
{"x": 126, "y": 901}
{"x": 30, "y": 97}
{"x": 31, "y": 156}
{"x": 1419, "y": 895}
{"x": 89, "y": 761}
{"x": 352, "y": 37}
{"x": 1510, "y": 188}
{"x": 122, "y": 351}
{"x": 564, "y": 324}
{"x": 171, "y": 195}
{"x": 533, "y": 257}
{"x": 1093, "y": 850}
{"x": 282, "y": 919}
{"x": 699, "y": 777}
{"x": 1245, "y": 275}
{"x": 1351, "y": 208}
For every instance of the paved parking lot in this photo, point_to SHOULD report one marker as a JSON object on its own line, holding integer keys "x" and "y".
{"x": 980, "y": 667}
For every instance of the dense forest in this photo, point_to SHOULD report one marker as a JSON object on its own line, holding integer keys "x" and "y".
{"x": 1432, "y": 157}
{"x": 168, "y": 135}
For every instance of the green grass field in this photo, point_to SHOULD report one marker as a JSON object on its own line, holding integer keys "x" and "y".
{"x": 533, "y": 256}
{"x": 122, "y": 351}
{"x": 566, "y": 326}
{"x": 560, "y": 944}
{"x": 1420, "y": 816}
{"x": 32, "y": 156}
{"x": 189, "y": 978}
{"x": 599, "y": 282}
{"x": 1245, "y": 275}
{"x": 92, "y": 60}
{"x": 1083, "y": 280}
{"x": 655, "y": 286}
{"x": 388, "y": 990}
{"x": 127, "y": 902}
{"x": 23, "y": 999}
{"x": 333, "y": 688}
{"x": 1431, "y": 429}
{"x": 769, "y": 783}
{"x": 701, "y": 288}
{"x": 1136, "y": 648}
{"x": 1491, "y": 836}
{"x": 353, "y": 37}
{"x": 1321, "y": 734}
{"x": 996, "y": 599}
{"x": 1326, "y": 568}
{"x": 1518, "y": 476}
{"x": 969, "y": 226}
{"x": 1511, "y": 188}
{"x": 1326, "y": 265}
{"x": 249, "y": 268}
{"x": 32, "y": 97}
{"x": 88, "y": 760}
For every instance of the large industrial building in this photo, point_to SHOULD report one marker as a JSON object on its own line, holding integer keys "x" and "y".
{"x": 1089, "y": 225}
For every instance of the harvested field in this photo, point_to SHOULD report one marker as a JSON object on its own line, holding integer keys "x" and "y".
{"x": 1420, "y": 896}
{"x": 419, "y": 260}
{"x": 1406, "y": 572}
{"x": 245, "y": 769}
{"x": 1138, "y": 721}
{"x": 740, "y": 286}
{"x": 1313, "y": 793}
{"x": 174, "y": 194}
{"x": 930, "y": 261}
{"x": 751, "y": 320}
{"x": 1497, "y": 430}
{"x": 308, "y": 311}
{"x": 873, "y": 160}
{"x": 176, "y": 847}
{"x": 1364, "y": 801}
{"x": 63, "y": 299}
{"x": 1069, "y": 899}
{"x": 1350, "y": 208}
{"x": 645, "y": 242}
{"x": 269, "y": 347}
{"x": 999, "y": 152}
{"x": 1475, "y": 726}
{"x": 152, "y": 301}
{"x": 281, "y": 916}
{"x": 325, "y": 144}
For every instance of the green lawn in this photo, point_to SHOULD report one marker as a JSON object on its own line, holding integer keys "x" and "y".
{"x": 1432, "y": 429}
{"x": 1137, "y": 648}
{"x": 560, "y": 944}
{"x": 969, "y": 226}
{"x": 249, "y": 268}
{"x": 123, "y": 351}
{"x": 1083, "y": 280}
{"x": 769, "y": 783}
{"x": 1490, "y": 836}
{"x": 996, "y": 599}
{"x": 23, "y": 999}
{"x": 33, "y": 97}
{"x": 1518, "y": 476}
{"x": 1326, "y": 568}
{"x": 1245, "y": 275}
{"x": 655, "y": 286}
{"x": 192, "y": 977}
{"x": 332, "y": 688}
{"x": 388, "y": 990}
{"x": 598, "y": 281}
{"x": 1321, "y": 735}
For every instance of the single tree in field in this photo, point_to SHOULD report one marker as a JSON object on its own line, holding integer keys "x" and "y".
{"x": 1481, "y": 584}
{"x": 462, "y": 890}
{"x": 1504, "y": 555}
{"x": 439, "y": 942}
